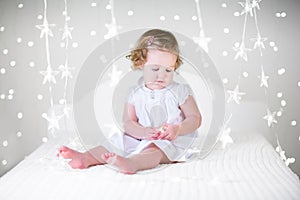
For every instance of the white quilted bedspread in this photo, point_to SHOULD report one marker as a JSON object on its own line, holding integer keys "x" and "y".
{"x": 248, "y": 169}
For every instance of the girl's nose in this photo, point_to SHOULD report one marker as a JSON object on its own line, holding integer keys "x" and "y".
{"x": 161, "y": 73}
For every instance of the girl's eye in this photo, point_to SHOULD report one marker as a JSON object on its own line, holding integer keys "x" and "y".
{"x": 155, "y": 69}
{"x": 169, "y": 70}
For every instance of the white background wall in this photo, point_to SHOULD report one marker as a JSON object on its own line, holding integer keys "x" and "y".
{"x": 23, "y": 56}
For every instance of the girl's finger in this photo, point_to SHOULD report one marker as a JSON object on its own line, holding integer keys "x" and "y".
{"x": 163, "y": 135}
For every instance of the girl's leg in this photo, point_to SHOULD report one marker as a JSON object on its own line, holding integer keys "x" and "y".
{"x": 149, "y": 158}
{"x": 83, "y": 160}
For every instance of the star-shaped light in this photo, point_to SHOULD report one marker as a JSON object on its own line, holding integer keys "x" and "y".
{"x": 202, "y": 41}
{"x": 235, "y": 95}
{"x": 241, "y": 52}
{"x": 45, "y": 28}
{"x": 259, "y": 43}
{"x": 270, "y": 117}
{"x": 115, "y": 76}
{"x": 247, "y": 7}
{"x": 65, "y": 70}
{"x": 67, "y": 32}
{"x": 53, "y": 120}
{"x": 225, "y": 138}
{"x": 263, "y": 79}
{"x": 66, "y": 111}
{"x": 255, "y": 4}
{"x": 112, "y": 29}
{"x": 49, "y": 75}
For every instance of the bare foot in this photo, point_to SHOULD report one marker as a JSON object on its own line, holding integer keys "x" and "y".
{"x": 124, "y": 164}
{"x": 78, "y": 160}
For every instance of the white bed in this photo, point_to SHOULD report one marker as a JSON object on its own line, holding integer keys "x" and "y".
{"x": 249, "y": 168}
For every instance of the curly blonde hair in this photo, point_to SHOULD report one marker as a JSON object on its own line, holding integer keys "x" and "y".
{"x": 157, "y": 39}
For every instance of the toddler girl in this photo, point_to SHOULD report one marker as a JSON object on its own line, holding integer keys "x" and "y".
{"x": 160, "y": 117}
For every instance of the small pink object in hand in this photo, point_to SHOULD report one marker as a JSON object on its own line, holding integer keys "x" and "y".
{"x": 161, "y": 132}
{"x": 163, "y": 129}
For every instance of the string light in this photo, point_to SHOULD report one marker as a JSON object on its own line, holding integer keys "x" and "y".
{"x": 20, "y": 115}
{"x": 113, "y": 27}
{"x": 5, "y": 51}
{"x": 201, "y": 39}
{"x": 66, "y": 70}
{"x": 12, "y": 63}
{"x": 2, "y": 70}
{"x": 162, "y": 18}
{"x": 5, "y": 143}
{"x": 30, "y": 44}
{"x": 19, "y": 134}
{"x": 4, "y": 162}
{"x": 250, "y": 7}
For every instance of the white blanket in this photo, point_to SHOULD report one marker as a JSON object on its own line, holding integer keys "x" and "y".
{"x": 248, "y": 169}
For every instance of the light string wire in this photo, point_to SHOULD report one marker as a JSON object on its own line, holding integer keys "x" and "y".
{"x": 113, "y": 28}
{"x": 258, "y": 42}
{"x": 201, "y": 40}
{"x": 114, "y": 75}
{"x": 199, "y": 15}
{"x": 49, "y": 74}
{"x": 66, "y": 70}
{"x": 114, "y": 23}
{"x": 48, "y": 49}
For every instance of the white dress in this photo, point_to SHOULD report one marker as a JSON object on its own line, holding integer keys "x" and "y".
{"x": 155, "y": 107}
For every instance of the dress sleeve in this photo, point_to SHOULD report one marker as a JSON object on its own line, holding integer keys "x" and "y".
{"x": 184, "y": 91}
{"x": 131, "y": 96}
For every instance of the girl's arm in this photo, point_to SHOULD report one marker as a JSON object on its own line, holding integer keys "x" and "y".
{"x": 192, "y": 116}
{"x": 191, "y": 122}
{"x": 133, "y": 128}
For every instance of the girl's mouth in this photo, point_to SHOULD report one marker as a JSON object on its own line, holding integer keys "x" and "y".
{"x": 160, "y": 82}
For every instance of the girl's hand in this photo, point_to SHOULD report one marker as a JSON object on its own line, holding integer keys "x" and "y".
{"x": 150, "y": 133}
{"x": 170, "y": 132}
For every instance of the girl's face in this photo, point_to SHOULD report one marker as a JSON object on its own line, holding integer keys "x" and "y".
{"x": 159, "y": 69}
